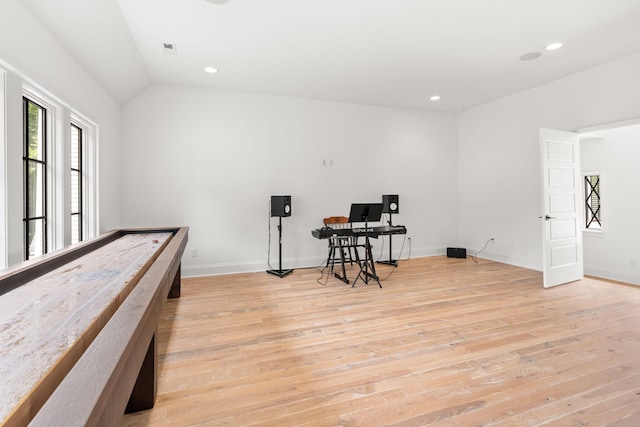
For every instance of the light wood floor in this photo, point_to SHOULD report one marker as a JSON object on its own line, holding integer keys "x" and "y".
{"x": 445, "y": 342}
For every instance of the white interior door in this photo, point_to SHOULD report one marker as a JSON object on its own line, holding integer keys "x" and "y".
{"x": 562, "y": 207}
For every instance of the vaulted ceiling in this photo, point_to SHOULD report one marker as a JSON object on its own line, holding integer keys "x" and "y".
{"x": 384, "y": 52}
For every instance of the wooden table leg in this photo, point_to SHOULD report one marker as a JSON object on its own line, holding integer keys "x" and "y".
{"x": 174, "y": 291}
{"x": 143, "y": 395}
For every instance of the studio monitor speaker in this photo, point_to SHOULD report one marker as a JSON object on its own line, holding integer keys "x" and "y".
{"x": 390, "y": 204}
{"x": 280, "y": 206}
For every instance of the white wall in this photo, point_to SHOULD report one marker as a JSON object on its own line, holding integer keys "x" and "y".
{"x": 614, "y": 252}
{"x": 500, "y": 184}
{"x": 211, "y": 160}
{"x": 31, "y": 55}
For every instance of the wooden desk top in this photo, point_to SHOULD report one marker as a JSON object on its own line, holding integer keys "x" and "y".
{"x": 47, "y": 323}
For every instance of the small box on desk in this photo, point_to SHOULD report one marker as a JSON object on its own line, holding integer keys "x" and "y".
{"x": 456, "y": 252}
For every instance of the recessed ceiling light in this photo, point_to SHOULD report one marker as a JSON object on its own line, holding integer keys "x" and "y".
{"x": 217, "y": 1}
{"x": 554, "y": 46}
{"x": 435, "y": 98}
{"x": 529, "y": 56}
{"x": 211, "y": 70}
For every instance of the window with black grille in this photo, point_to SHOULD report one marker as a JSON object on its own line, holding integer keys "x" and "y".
{"x": 593, "y": 208}
{"x": 35, "y": 178}
{"x": 76, "y": 143}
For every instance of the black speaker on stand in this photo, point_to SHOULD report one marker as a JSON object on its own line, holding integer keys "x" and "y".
{"x": 280, "y": 206}
{"x": 390, "y": 205}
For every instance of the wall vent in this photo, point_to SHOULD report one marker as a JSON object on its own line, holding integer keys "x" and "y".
{"x": 169, "y": 48}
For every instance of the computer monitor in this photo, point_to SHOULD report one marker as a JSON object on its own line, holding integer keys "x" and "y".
{"x": 365, "y": 212}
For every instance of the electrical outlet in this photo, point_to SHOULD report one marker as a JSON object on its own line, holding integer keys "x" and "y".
{"x": 194, "y": 253}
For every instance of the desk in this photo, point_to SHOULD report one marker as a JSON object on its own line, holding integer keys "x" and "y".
{"x": 78, "y": 327}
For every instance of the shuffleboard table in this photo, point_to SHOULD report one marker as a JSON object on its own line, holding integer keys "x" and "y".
{"x": 77, "y": 328}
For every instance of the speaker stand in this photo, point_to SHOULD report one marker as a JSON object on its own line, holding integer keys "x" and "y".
{"x": 280, "y": 272}
{"x": 390, "y": 261}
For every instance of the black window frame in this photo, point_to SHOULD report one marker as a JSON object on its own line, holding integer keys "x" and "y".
{"x": 79, "y": 171}
{"x": 27, "y": 161}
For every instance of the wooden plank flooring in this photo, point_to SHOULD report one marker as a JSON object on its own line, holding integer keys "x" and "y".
{"x": 445, "y": 342}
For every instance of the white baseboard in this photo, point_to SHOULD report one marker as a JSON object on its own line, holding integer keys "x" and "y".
{"x": 505, "y": 259}
{"x": 633, "y": 279}
{"x": 247, "y": 267}
{"x": 308, "y": 262}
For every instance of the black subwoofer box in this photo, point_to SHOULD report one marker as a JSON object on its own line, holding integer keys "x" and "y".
{"x": 456, "y": 252}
